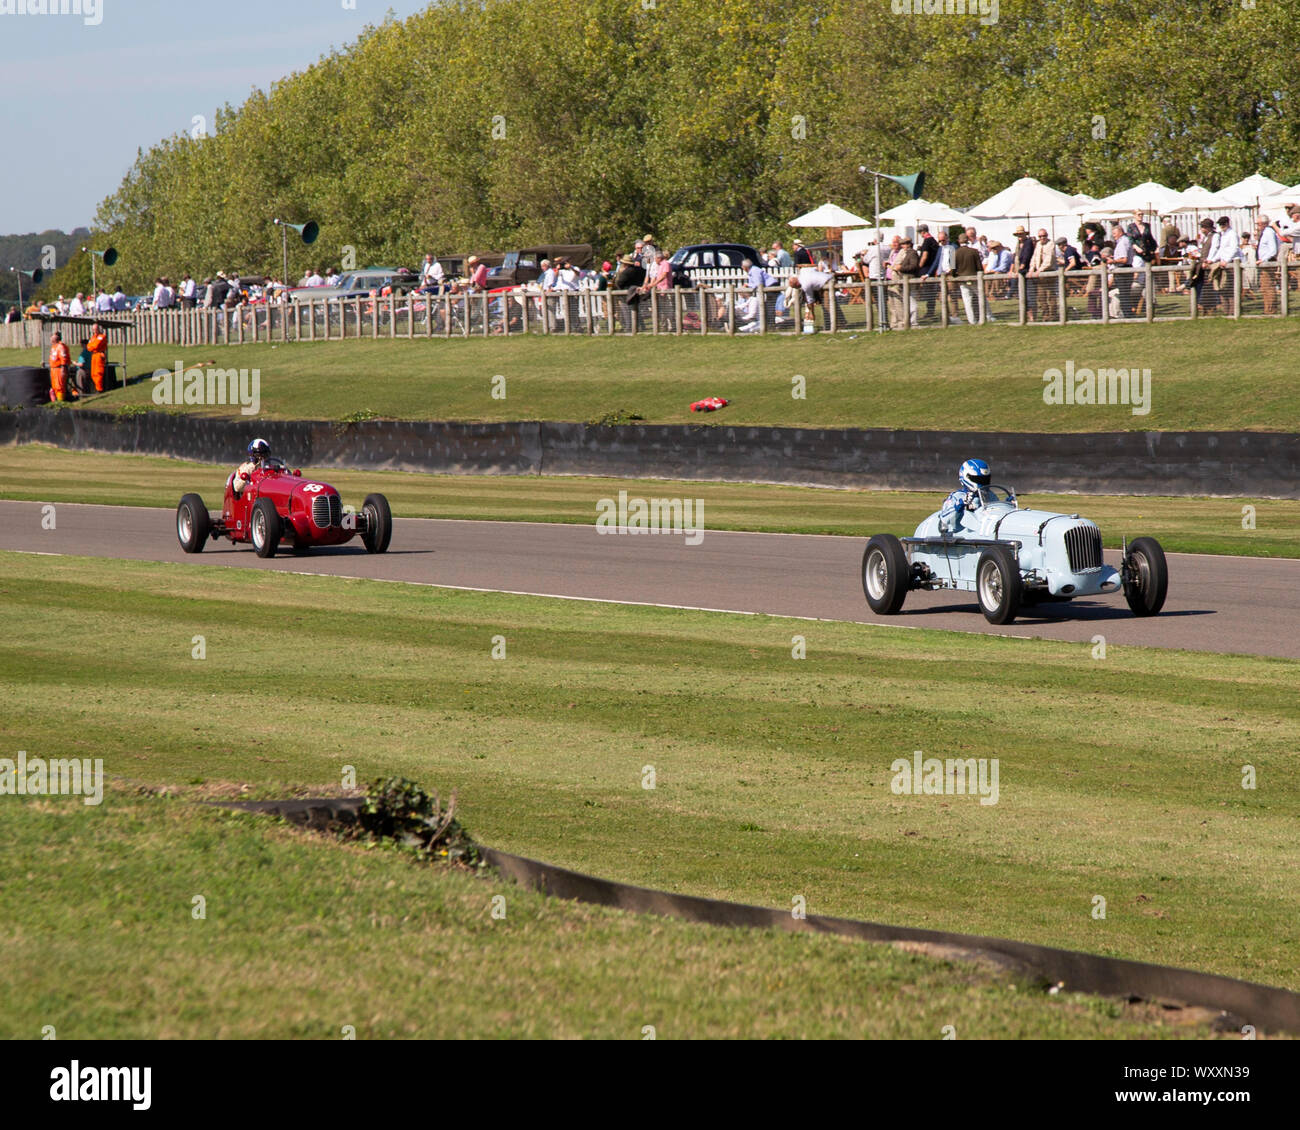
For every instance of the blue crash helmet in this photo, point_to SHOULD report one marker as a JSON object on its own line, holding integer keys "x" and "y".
{"x": 974, "y": 474}
{"x": 260, "y": 449}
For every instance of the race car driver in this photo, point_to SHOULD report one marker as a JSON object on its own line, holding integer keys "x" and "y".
{"x": 258, "y": 450}
{"x": 972, "y": 477}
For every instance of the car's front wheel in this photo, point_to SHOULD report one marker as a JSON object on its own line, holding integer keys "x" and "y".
{"x": 379, "y": 523}
{"x": 1146, "y": 577}
{"x": 193, "y": 523}
{"x": 265, "y": 528}
{"x": 997, "y": 584}
{"x": 886, "y": 575}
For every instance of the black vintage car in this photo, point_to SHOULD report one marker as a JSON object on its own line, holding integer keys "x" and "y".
{"x": 704, "y": 260}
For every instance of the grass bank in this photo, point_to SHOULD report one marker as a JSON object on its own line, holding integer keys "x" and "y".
{"x": 1119, "y": 778}
{"x": 1207, "y": 375}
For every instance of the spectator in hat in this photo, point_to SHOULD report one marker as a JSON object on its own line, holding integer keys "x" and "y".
{"x": 1201, "y": 259}
{"x": 478, "y": 274}
{"x": 630, "y": 279}
{"x": 1068, "y": 256}
{"x": 1024, "y": 256}
{"x": 649, "y": 254}
{"x": 802, "y": 256}
{"x": 905, "y": 264}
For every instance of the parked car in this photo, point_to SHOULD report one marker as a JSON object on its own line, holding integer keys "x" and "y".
{"x": 711, "y": 262}
{"x": 280, "y": 505}
{"x": 519, "y": 267}
{"x": 1011, "y": 558}
{"x": 353, "y": 284}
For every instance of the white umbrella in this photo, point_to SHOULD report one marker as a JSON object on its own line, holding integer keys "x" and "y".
{"x": 1023, "y": 199}
{"x": 829, "y": 216}
{"x": 1148, "y": 195}
{"x": 919, "y": 211}
{"x": 1198, "y": 199}
{"x": 1246, "y": 193}
{"x": 1279, "y": 199}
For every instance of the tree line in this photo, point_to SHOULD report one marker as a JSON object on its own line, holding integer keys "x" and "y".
{"x": 45, "y": 251}
{"x": 481, "y": 124}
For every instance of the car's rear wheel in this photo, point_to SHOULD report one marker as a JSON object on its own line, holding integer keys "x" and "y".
{"x": 265, "y": 528}
{"x": 997, "y": 584}
{"x": 1146, "y": 577}
{"x": 886, "y": 575}
{"x": 379, "y": 523}
{"x": 193, "y": 523}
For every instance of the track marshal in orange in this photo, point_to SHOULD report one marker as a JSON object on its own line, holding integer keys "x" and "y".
{"x": 98, "y": 348}
{"x": 60, "y": 359}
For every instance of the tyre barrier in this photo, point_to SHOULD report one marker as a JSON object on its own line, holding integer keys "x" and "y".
{"x": 1223, "y": 464}
{"x": 1266, "y": 1008}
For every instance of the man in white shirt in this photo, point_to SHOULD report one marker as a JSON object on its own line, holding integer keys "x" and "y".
{"x": 1291, "y": 232}
{"x": 77, "y": 307}
{"x": 1225, "y": 251}
{"x": 1267, "y": 251}
{"x": 314, "y": 278}
{"x": 871, "y": 257}
{"x": 649, "y": 255}
{"x": 431, "y": 275}
{"x": 187, "y": 292}
{"x": 162, "y": 295}
{"x": 1122, "y": 258}
{"x": 1228, "y": 247}
{"x": 103, "y": 303}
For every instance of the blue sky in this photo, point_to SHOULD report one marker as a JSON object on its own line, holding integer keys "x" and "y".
{"x": 142, "y": 72}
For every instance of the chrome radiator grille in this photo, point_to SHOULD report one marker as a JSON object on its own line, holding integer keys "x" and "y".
{"x": 327, "y": 510}
{"x": 1083, "y": 545}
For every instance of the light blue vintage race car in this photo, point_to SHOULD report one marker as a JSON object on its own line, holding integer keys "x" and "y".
{"x": 1010, "y": 558}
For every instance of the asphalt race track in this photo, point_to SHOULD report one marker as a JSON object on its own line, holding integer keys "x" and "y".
{"x": 1226, "y": 604}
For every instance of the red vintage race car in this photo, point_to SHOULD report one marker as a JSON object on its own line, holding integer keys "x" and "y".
{"x": 279, "y": 505}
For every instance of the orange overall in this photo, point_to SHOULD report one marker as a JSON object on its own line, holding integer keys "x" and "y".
{"x": 98, "y": 349}
{"x": 60, "y": 359}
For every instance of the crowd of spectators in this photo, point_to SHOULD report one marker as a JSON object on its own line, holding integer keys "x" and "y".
{"x": 1206, "y": 263}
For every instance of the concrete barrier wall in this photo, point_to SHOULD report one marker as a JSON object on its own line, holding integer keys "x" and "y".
{"x": 1239, "y": 464}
